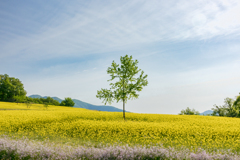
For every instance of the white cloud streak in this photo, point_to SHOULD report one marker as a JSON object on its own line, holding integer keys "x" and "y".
{"x": 104, "y": 28}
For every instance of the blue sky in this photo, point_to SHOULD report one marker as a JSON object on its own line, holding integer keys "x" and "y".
{"x": 189, "y": 49}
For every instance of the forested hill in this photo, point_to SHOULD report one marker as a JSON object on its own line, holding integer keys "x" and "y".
{"x": 81, "y": 104}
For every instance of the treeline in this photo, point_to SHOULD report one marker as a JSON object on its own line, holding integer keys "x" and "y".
{"x": 48, "y": 100}
{"x": 231, "y": 108}
{"x": 12, "y": 90}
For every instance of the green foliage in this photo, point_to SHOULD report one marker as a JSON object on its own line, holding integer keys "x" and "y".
{"x": 219, "y": 111}
{"x": 48, "y": 100}
{"x": 189, "y": 111}
{"x": 10, "y": 87}
{"x": 19, "y": 99}
{"x": 46, "y": 105}
{"x": 127, "y": 86}
{"x": 6, "y": 154}
{"x": 236, "y": 103}
{"x": 28, "y": 104}
{"x": 67, "y": 102}
{"x": 229, "y": 109}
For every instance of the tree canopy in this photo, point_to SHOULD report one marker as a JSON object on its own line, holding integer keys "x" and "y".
{"x": 10, "y": 87}
{"x": 230, "y": 108}
{"x": 236, "y": 103}
{"x": 67, "y": 102}
{"x": 126, "y": 85}
{"x": 189, "y": 111}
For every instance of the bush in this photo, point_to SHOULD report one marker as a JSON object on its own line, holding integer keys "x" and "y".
{"x": 189, "y": 111}
{"x": 67, "y": 102}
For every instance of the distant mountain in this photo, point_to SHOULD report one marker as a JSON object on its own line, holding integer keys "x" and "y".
{"x": 35, "y": 96}
{"x": 206, "y": 112}
{"x": 81, "y": 104}
{"x": 55, "y": 98}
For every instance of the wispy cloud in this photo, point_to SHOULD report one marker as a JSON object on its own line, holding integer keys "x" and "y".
{"x": 104, "y": 27}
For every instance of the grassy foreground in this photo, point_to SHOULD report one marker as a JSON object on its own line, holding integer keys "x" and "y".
{"x": 74, "y": 126}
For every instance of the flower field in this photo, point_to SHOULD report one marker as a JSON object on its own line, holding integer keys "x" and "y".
{"x": 82, "y": 126}
{"x": 26, "y": 149}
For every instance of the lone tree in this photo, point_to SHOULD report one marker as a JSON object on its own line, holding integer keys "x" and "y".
{"x": 127, "y": 86}
{"x": 46, "y": 105}
{"x": 28, "y": 104}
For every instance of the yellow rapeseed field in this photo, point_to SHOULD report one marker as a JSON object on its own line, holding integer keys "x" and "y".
{"x": 108, "y": 127}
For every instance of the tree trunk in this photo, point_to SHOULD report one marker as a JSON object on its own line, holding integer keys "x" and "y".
{"x": 124, "y": 109}
{"x": 123, "y": 102}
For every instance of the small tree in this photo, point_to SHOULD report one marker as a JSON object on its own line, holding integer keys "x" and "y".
{"x": 28, "y": 104}
{"x": 67, "y": 102}
{"x": 46, "y": 105}
{"x": 189, "y": 111}
{"x": 127, "y": 86}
